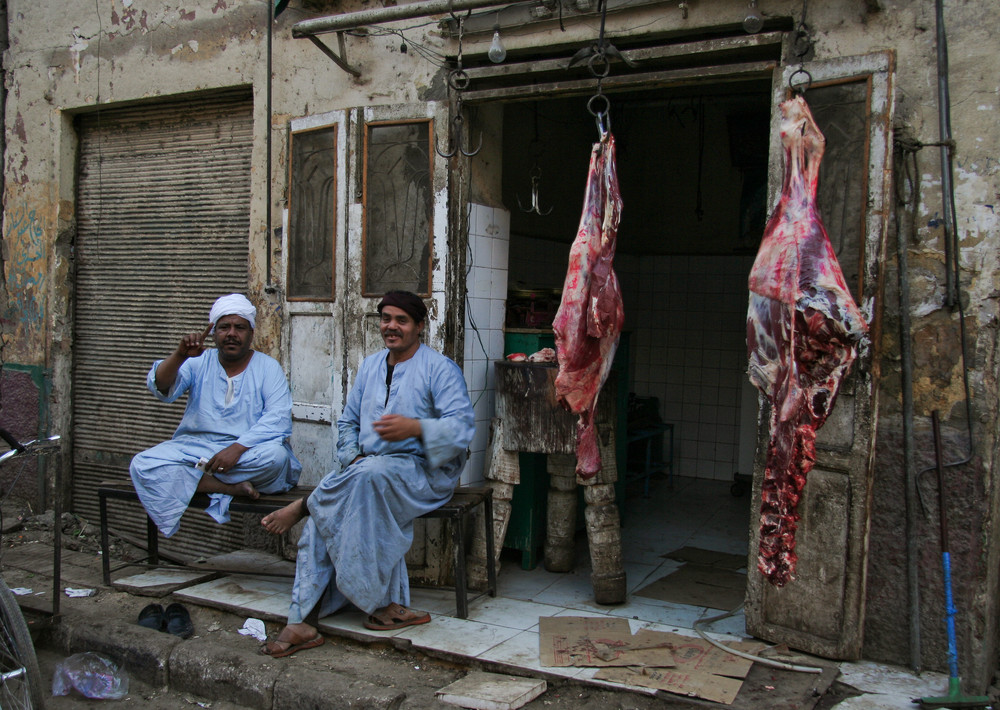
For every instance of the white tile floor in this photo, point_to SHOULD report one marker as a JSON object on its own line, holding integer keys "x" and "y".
{"x": 504, "y": 630}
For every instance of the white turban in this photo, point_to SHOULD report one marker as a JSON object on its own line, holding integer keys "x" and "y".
{"x": 235, "y": 304}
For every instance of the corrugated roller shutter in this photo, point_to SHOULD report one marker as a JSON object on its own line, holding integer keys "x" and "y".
{"x": 163, "y": 222}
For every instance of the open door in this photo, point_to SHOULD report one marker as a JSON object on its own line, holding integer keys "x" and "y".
{"x": 397, "y": 234}
{"x": 366, "y": 214}
{"x": 822, "y": 610}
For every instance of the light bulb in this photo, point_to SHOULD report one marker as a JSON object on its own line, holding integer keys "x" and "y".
{"x": 497, "y": 53}
{"x": 753, "y": 22}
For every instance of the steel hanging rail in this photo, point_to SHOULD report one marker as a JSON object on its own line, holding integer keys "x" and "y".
{"x": 362, "y": 18}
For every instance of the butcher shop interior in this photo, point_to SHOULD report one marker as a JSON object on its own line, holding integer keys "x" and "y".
{"x": 692, "y": 168}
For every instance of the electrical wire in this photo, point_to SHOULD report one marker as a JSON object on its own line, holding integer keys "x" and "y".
{"x": 748, "y": 656}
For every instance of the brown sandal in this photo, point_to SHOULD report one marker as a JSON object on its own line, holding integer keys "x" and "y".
{"x": 395, "y": 616}
{"x": 272, "y": 648}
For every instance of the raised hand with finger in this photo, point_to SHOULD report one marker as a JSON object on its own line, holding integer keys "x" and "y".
{"x": 193, "y": 344}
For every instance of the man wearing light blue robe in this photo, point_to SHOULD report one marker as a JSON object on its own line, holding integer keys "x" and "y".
{"x": 403, "y": 437}
{"x": 237, "y": 422}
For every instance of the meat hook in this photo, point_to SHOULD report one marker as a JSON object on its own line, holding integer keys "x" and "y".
{"x": 536, "y": 177}
{"x": 802, "y": 87}
{"x": 456, "y": 139}
{"x": 603, "y": 117}
{"x": 458, "y": 81}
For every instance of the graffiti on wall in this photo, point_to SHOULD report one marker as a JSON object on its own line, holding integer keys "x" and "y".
{"x": 26, "y": 249}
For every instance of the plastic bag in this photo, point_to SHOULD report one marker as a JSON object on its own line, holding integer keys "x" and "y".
{"x": 92, "y": 675}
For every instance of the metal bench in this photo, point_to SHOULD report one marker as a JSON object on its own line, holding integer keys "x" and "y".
{"x": 462, "y": 505}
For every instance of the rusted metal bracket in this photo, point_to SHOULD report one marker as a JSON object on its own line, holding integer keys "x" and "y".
{"x": 338, "y": 59}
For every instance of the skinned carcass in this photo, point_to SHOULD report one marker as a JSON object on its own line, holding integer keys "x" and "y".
{"x": 803, "y": 329}
{"x": 590, "y": 315}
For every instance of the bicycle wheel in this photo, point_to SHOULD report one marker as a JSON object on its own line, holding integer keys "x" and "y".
{"x": 20, "y": 680}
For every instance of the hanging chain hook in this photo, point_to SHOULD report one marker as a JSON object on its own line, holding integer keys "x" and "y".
{"x": 603, "y": 117}
{"x": 803, "y": 86}
{"x": 536, "y": 178}
{"x": 801, "y": 46}
{"x": 458, "y": 81}
{"x": 599, "y": 64}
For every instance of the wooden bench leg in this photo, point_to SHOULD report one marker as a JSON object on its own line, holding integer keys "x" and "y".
{"x": 152, "y": 542}
{"x": 105, "y": 551}
{"x": 491, "y": 563}
{"x": 458, "y": 545}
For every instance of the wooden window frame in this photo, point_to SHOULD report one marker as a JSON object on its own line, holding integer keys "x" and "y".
{"x": 333, "y": 129}
{"x": 368, "y": 125}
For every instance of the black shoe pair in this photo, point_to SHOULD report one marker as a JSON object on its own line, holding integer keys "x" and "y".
{"x": 175, "y": 619}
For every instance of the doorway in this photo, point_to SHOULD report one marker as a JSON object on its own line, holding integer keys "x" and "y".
{"x": 692, "y": 168}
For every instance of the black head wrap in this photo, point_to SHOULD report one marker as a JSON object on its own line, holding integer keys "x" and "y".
{"x": 409, "y": 302}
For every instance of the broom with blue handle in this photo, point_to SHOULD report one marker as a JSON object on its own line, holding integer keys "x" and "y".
{"x": 955, "y": 698}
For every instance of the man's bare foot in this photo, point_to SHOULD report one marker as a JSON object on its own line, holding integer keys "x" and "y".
{"x": 211, "y": 484}
{"x": 281, "y": 521}
{"x": 246, "y": 490}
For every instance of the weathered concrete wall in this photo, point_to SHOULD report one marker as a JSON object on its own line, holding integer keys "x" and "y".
{"x": 22, "y": 398}
{"x": 70, "y": 57}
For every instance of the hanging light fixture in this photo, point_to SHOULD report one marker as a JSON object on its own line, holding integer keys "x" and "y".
{"x": 496, "y": 53}
{"x": 753, "y": 22}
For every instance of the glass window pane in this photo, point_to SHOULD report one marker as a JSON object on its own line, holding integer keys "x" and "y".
{"x": 842, "y": 114}
{"x": 312, "y": 214}
{"x": 397, "y": 242}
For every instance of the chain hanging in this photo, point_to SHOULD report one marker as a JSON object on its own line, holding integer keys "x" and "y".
{"x": 458, "y": 82}
{"x": 599, "y": 64}
{"x": 801, "y": 46}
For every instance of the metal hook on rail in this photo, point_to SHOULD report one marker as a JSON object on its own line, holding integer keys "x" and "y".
{"x": 536, "y": 177}
{"x": 456, "y": 139}
{"x": 603, "y": 117}
{"x": 458, "y": 81}
{"x": 803, "y": 86}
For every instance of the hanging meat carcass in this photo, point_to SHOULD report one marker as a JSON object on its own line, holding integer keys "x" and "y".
{"x": 590, "y": 315}
{"x": 803, "y": 329}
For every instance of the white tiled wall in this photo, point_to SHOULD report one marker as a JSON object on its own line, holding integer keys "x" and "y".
{"x": 688, "y": 320}
{"x": 486, "y": 261}
{"x": 687, "y": 317}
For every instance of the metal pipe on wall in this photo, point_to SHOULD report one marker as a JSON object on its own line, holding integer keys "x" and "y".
{"x": 268, "y": 285}
{"x": 910, "y": 475}
{"x": 362, "y": 18}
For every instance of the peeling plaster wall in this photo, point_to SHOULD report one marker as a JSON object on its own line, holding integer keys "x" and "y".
{"x": 70, "y": 57}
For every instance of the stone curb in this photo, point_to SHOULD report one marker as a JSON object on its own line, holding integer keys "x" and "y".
{"x": 143, "y": 652}
{"x": 216, "y": 671}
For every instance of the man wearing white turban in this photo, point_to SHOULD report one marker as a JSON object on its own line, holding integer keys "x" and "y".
{"x": 236, "y": 424}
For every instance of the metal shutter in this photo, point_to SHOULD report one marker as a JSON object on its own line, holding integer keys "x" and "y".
{"x": 163, "y": 223}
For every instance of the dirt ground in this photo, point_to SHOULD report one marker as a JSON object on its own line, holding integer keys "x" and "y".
{"x": 416, "y": 674}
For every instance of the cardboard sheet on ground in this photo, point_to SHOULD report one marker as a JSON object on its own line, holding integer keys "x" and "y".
{"x": 599, "y": 642}
{"x": 701, "y": 670}
{"x": 702, "y": 685}
{"x": 652, "y": 659}
{"x": 709, "y": 558}
{"x": 699, "y": 585}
